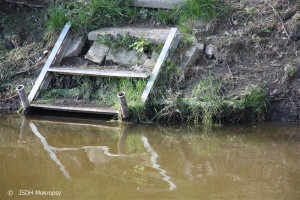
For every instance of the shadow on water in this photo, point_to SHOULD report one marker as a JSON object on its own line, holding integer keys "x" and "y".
{"x": 90, "y": 159}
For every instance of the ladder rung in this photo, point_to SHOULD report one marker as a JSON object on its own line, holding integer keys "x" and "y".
{"x": 99, "y": 72}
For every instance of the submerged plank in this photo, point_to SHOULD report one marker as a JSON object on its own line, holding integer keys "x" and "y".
{"x": 154, "y": 34}
{"x": 163, "y": 55}
{"x": 99, "y": 72}
{"x": 82, "y": 109}
{"x": 165, "y": 4}
{"x": 49, "y": 62}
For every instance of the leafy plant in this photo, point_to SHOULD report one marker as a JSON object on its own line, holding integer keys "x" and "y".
{"x": 142, "y": 45}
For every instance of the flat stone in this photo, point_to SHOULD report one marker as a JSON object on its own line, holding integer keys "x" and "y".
{"x": 75, "y": 47}
{"x": 97, "y": 53}
{"x": 153, "y": 34}
{"x": 126, "y": 58}
{"x": 165, "y": 4}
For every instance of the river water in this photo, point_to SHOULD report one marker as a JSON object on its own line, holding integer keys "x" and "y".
{"x": 74, "y": 159}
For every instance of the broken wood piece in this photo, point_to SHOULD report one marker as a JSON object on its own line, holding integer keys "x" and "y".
{"x": 123, "y": 105}
{"x": 24, "y": 99}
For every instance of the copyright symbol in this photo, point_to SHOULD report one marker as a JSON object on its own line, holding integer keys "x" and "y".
{"x": 10, "y": 192}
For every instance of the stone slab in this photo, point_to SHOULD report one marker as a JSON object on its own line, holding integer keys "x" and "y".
{"x": 165, "y": 4}
{"x": 153, "y": 34}
{"x": 75, "y": 47}
{"x": 97, "y": 53}
{"x": 126, "y": 58}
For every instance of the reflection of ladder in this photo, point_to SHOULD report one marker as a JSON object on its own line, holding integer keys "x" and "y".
{"x": 62, "y": 44}
{"x": 105, "y": 149}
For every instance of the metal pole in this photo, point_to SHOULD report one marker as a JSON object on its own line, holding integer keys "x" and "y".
{"x": 24, "y": 99}
{"x": 123, "y": 104}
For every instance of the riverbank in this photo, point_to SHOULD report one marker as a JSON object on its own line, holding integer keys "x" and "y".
{"x": 250, "y": 71}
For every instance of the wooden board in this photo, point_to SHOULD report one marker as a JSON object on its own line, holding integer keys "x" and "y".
{"x": 98, "y": 72}
{"x": 49, "y": 62}
{"x": 81, "y": 109}
{"x": 165, "y": 4}
{"x": 163, "y": 55}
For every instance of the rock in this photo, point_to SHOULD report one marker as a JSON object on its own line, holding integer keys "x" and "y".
{"x": 235, "y": 22}
{"x": 75, "y": 47}
{"x": 200, "y": 47}
{"x": 154, "y": 55}
{"x": 192, "y": 54}
{"x": 126, "y": 58}
{"x": 210, "y": 50}
{"x": 149, "y": 64}
{"x": 97, "y": 53}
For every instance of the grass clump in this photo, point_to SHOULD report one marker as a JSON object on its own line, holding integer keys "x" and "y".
{"x": 97, "y": 91}
{"x": 87, "y": 15}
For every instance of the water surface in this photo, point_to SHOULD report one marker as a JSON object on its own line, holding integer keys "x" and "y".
{"x": 101, "y": 160}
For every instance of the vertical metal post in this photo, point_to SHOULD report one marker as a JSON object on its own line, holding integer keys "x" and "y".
{"x": 24, "y": 99}
{"x": 124, "y": 105}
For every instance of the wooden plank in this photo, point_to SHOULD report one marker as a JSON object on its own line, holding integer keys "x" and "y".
{"x": 92, "y": 110}
{"x": 99, "y": 72}
{"x": 163, "y": 55}
{"x": 165, "y": 4}
{"x": 49, "y": 62}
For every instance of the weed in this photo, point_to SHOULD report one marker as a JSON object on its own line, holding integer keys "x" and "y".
{"x": 290, "y": 71}
{"x": 129, "y": 42}
{"x": 254, "y": 101}
{"x": 56, "y": 19}
{"x": 142, "y": 45}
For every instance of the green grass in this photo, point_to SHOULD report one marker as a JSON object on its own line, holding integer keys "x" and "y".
{"x": 208, "y": 105}
{"x": 102, "y": 91}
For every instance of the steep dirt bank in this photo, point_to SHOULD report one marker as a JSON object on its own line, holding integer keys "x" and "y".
{"x": 258, "y": 44}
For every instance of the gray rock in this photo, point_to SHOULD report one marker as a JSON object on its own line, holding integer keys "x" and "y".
{"x": 126, "y": 58}
{"x": 210, "y": 50}
{"x": 75, "y": 47}
{"x": 97, "y": 53}
{"x": 191, "y": 55}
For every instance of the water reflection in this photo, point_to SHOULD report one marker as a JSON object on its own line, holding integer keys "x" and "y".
{"x": 94, "y": 159}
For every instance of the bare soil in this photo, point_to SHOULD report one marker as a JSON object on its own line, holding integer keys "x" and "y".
{"x": 259, "y": 44}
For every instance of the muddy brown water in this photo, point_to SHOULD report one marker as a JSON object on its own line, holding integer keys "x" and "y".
{"x": 71, "y": 159}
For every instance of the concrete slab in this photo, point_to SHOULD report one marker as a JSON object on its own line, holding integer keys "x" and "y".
{"x": 154, "y": 34}
{"x": 165, "y": 4}
{"x": 75, "y": 47}
{"x": 97, "y": 53}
